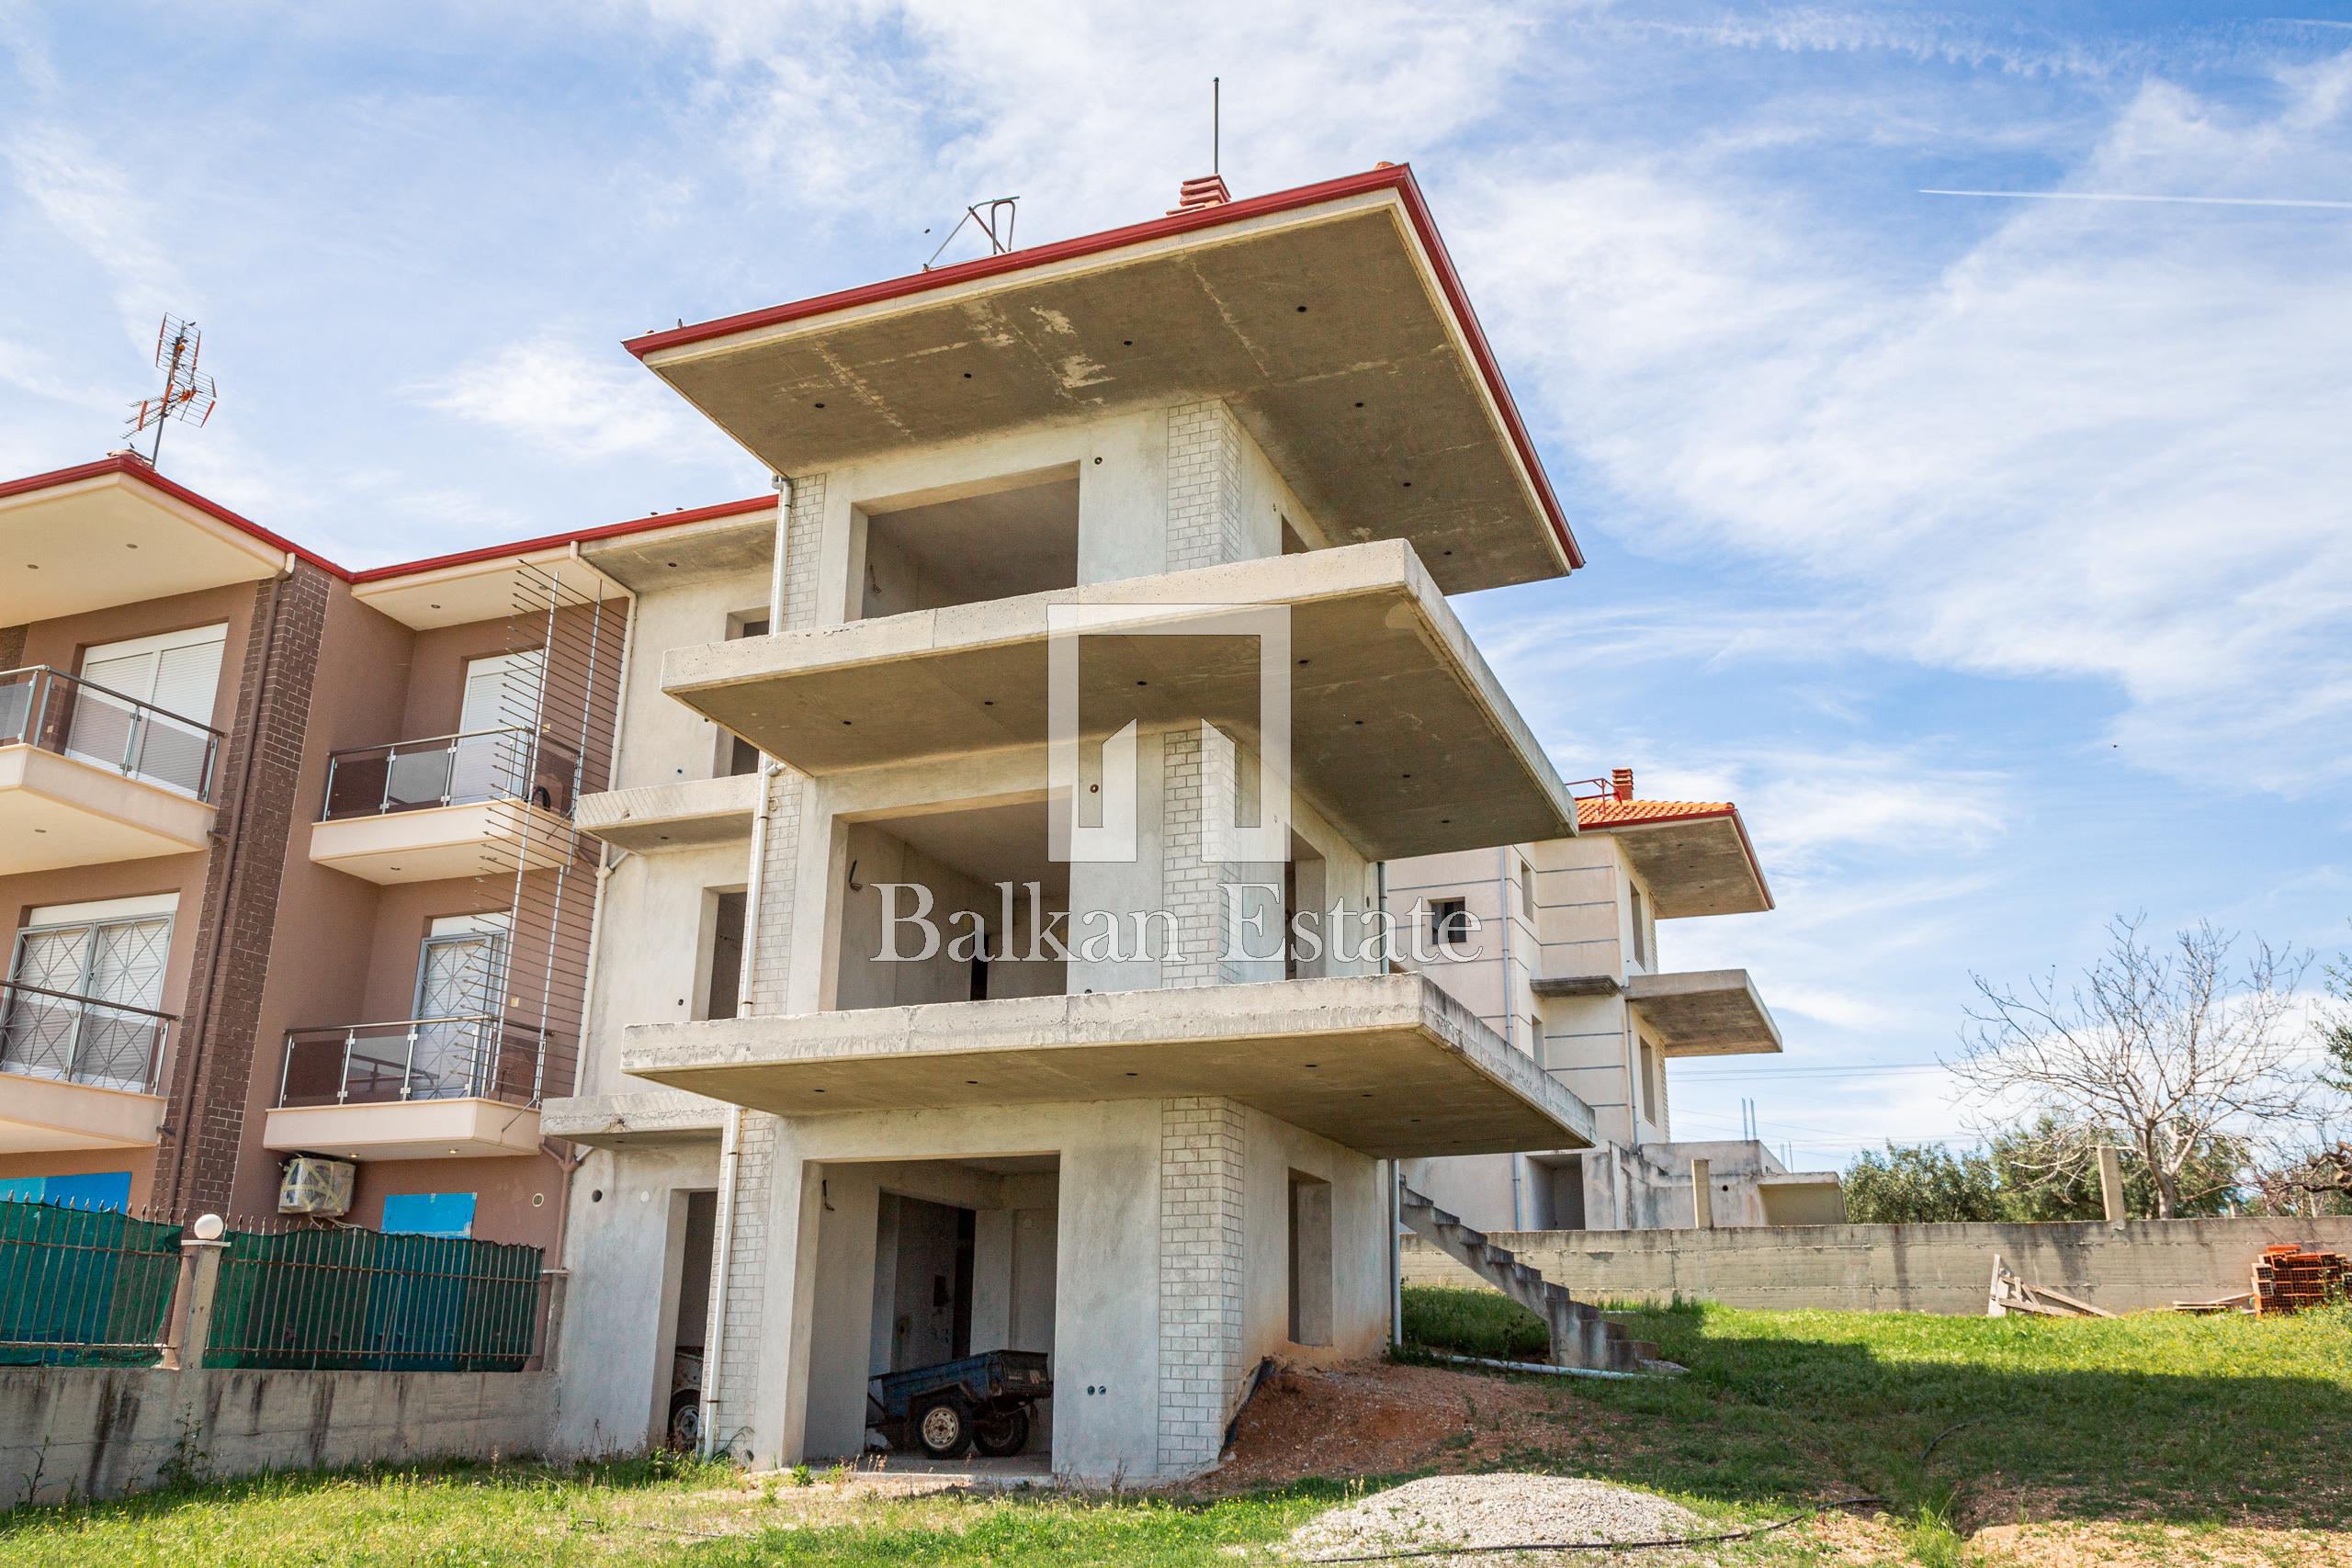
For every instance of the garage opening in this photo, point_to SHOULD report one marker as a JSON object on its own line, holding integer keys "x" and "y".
{"x": 932, "y": 1338}
{"x": 995, "y": 540}
{"x": 693, "y": 1222}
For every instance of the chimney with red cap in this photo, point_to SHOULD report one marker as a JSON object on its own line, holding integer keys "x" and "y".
{"x": 1620, "y": 783}
{"x": 1207, "y": 191}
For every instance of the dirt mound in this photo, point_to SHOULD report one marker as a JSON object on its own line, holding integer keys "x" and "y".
{"x": 1377, "y": 1418}
{"x": 1488, "y": 1512}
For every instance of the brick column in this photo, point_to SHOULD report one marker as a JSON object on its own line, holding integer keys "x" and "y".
{"x": 1200, "y": 1277}
{"x": 1197, "y": 765}
{"x": 803, "y": 528}
{"x": 1204, "y": 486}
{"x": 12, "y": 647}
{"x": 211, "y": 1072}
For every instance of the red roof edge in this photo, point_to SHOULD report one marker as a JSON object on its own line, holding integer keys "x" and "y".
{"x": 572, "y": 536}
{"x": 132, "y": 468}
{"x": 1396, "y": 176}
{"x": 1747, "y": 845}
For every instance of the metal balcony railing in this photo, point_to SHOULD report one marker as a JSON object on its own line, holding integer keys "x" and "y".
{"x": 476, "y": 1056}
{"x": 510, "y": 763}
{"x": 55, "y": 1034}
{"x": 73, "y": 717}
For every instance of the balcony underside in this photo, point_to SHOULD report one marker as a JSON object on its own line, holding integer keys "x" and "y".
{"x": 1701, "y": 865}
{"x": 634, "y": 1120}
{"x": 56, "y": 811}
{"x": 1712, "y": 1012}
{"x": 111, "y": 538}
{"x": 405, "y": 1129}
{"x": 1398, "y": 730}
{"x": 1389, "y": 1066}
{"x": 1325, "y": 327}
{"x": 674, "y": 815}
{"x": 45, "y": 1115}
{"x": 443, "y": 841}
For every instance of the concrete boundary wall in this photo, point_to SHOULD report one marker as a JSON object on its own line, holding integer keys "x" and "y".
{"x": 78, "y": 1433}
{"x": 1922, "y": 1267}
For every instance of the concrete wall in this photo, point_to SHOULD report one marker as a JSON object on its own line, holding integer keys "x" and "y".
{"x": 1931, "y": 1269}
{"x": 624, "y": 1244}
{"x": 85, "y": 1432}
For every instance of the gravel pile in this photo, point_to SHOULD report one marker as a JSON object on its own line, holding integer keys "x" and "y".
{"x": 1489, "y": 1511}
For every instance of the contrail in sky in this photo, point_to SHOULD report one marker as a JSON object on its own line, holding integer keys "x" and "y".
{"x": 2114, "y": 196}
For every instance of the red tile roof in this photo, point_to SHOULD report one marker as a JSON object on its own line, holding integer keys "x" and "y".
{"x": 1607, "y": 811}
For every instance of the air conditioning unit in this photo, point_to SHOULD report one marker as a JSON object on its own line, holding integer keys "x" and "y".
{"x": 315, "y": 1186}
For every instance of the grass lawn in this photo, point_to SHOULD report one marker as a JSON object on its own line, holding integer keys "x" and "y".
{"x": 2152, "y": 1439}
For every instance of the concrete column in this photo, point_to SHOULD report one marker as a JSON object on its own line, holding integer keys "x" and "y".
{"x": 2110, "y": 1182}
{"x": 191, "y": 1331}
{"x": 1703, "y": 1195}
{"x": 551, "y": 1333}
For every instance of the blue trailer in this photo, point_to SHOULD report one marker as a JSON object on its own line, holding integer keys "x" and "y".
{"x": 950, "y": 1409}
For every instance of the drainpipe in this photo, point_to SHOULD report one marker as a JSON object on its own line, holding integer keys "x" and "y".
{"x": 731, "y": 1140}
{"x": 1510, "y": 1011}
{"x": 1396, "y": 1167}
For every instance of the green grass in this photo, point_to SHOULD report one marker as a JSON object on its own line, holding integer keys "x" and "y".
{"x": 1474, "y": 1322}
{"x": 2205, "y": 1423}
{"x": 2183, "y": 1420}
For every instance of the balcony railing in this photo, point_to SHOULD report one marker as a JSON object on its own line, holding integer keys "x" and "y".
{"x": 510, "y": 763}
{"x": 55, "y": 1034}
{"x": 73, "y": 717}
{"x": 477, "y": 1057}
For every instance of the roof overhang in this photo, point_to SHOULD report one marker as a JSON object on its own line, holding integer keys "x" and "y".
{"x": 1697, "y": 864}
{"x": 115, "y": 532}
{"x": 1389, "y": 1065}
{"x": 1707, "y": 1012}
{"x": 1398, "y": 731}
{"x": 714, "y": 542}
{"x": 485, "y": 588}
{"x": 1329, "y": 318}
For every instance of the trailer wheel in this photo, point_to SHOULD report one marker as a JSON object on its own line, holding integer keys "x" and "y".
{"x": 1003, "y": 1433}
{"x": 686, "y": 1420}
{"x": 943, "y": 1427}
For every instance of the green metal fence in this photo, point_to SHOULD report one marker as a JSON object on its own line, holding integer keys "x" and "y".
{"x": 355, "y": 1299}
{"x": 83, "y": 1287}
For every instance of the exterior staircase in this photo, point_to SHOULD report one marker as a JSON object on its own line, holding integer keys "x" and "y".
{"x": 1580, "y": 1336}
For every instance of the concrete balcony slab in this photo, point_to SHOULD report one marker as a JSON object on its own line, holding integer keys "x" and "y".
{"x": 1397, "y": 729}
{"x": 1709, "y": 1013}
{"x": 57, "y": 810}
{"x": 405, "y": 1129}
{"x": 1389, "y": 1065}
{"x": 443, "y": 841}
{"x": 682, "y": 816}
{"x": 634, "y": 1120}
{"x": 48, "y": 1115}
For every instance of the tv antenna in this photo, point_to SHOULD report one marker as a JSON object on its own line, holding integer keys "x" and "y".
{"x": 983, "y": 216}
{"x": 187, "y": 393}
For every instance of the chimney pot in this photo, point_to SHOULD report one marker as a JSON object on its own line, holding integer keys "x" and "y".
{"x": 1620, "y": 783}
{"x": 1208, "y": 190}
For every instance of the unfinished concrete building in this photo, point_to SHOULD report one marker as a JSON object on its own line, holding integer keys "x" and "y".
{"x": 1558, "y": 953}
{"x": 1038, "y": 514}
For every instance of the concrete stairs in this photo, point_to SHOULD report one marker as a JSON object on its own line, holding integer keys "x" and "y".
{"x": 1580, "y": 1336}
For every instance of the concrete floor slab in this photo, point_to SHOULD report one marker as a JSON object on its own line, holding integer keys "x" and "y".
{"x": 1398, "y": 729}
{"x": 1389, "y": 1065}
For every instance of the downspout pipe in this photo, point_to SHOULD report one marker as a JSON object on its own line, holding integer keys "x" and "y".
{"x": 731, "y": 1145}
{"x": 1396, "y": 1167}
{"x": 1510, "y": 1013}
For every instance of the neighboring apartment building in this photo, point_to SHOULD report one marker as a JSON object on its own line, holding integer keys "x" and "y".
{"x": 1160, "y": 1162}
{"x": 1559, "y": 953}
{"x": 287, "y": 861}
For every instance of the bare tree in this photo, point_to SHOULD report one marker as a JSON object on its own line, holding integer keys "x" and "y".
{"x": 2171, "y": 1048}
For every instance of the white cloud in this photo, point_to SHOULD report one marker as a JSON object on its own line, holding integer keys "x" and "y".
{"x": 2100, "y": 442}
{"x": 567, "y": 399}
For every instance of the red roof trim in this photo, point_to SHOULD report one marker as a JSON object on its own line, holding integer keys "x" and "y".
{"x": 1396, "y": 176}
{"x": 1746, "y": 845}
{"x": 132, "y": 468}
{"x": 575, "y": 536}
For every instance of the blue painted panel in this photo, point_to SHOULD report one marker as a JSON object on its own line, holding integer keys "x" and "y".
{"x": 105, "y": 1191}
{"x": 429, "y": 1213}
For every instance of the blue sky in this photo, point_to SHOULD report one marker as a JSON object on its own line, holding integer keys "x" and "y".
{"x": 1992, "y": 553}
